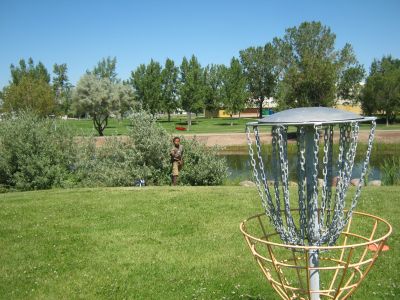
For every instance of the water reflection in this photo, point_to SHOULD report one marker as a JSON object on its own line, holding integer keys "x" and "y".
{"x": 240, "y": 169}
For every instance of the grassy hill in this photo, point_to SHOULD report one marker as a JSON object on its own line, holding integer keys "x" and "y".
{"x": 152, "y": 243}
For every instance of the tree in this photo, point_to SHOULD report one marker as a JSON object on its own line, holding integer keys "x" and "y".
{"x": 382, "y": 88}
{"x": 147, "y": 83}
{"x": 106, "y": 69}
{"x": 234, "y": 88}
{"x": 192, "y": 87}
{"x": 312, "y": 72}
{"x": 29, "y": 89}
{"x": 261, "y": 70}
{"x": 30, "y": 94}
{"x": 101, "y": 97}
{"x": 38, "y": 71}
{"x": 62, "y": 88}
{"x": 169, "y": 81}
{"x": 213, "y": 86}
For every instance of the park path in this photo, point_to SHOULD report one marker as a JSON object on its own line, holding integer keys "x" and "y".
{"x": 239, "y": 139}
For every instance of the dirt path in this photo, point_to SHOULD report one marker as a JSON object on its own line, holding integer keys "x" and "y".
{"x": 239, "y": 139}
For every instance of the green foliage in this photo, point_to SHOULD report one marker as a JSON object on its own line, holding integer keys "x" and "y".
{"x": 31, "y": 70}
{"x": 169, "y": 79}
{"x": 234, "y": 88}
{"x": 213, "y": 89}
{"x": 100, "y": 97}
{"x": 106, "y": 69}
{"x": 112, "y": 164}
{"x": 62, "y": 88}
{"x": 382, "y": 88}
{"x": 148, "y": 86}
{"x": 29, "y": 89}
{"x": 192, "y": 87}
{"x": 34, "y": 154}
{"x": 313, "y": 72}
{"x": 30, "y": 94}
{"x": 202, "y": 165}
{"x": 261, "y": 70}
{"x": 390, "y": 170}
{"x": 152, "y": 145}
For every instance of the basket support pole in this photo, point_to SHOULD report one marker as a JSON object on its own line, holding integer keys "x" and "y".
{"x": 312, "y": 209}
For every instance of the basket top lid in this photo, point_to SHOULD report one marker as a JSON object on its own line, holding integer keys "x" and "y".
{"x": 312, "y": 115}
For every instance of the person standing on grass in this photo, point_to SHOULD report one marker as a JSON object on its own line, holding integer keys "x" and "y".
{"x": 176, "y": 159}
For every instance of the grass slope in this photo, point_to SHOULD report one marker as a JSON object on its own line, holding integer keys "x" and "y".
{"x": 152, "y": 243}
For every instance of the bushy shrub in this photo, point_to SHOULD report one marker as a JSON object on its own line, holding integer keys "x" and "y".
{"x": 35, "y": 153}
{"x": 152, "y": 145}
{"x": 112, "y": 164}
{"x": 202, "y": 165}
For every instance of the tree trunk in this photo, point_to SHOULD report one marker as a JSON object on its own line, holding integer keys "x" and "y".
{"x": 387, "y": 119}
{"x": 231, "y": 120}
{"x": 169, "y": 116}
{"x": 189, "y": 119}
{"x": 261, "y": 103}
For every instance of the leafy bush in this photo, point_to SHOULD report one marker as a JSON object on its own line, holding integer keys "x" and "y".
{"x": 152, "y": 143}
{"x": 37, "y": 154}
{"x": 34, "y": 153}
{"x": 202, "y": 165}
{"x": 112, "y": 164}
{"x": 391, "y": 171}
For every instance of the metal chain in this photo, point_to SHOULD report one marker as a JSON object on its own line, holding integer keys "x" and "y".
{"x": 283, "y": 160}
{"x": 363, "y": 170}
{"x": 274, "y": 217}
{"x": 301, "y": 171}
{"x": 324, "y": 192}
{"x": 255, "y": 172}
{"x": 314, "y": 229}
{"x": 329, "y": 176}
{"x": 336, "y": 228}
{"x": 269, "y": 202}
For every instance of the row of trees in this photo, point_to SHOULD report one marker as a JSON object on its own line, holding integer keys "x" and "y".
{"x": 302, "y": 68}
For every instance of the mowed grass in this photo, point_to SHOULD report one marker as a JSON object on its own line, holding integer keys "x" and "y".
{"x": 152, "y": 243}
{"x": 199, "y": 125}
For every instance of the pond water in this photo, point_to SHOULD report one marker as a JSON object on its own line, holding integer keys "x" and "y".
{"x": 239, "y": 167}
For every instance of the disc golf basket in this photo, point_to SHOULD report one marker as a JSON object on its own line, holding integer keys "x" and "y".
{"x": 312, "y": 245}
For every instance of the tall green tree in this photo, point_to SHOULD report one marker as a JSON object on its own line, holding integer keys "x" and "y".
{"x": 313, "y": 72}
{"x": 234, "y": 88}
{"x": 106, "y": 68}
{"x": 261, "y": 70}
{"x": 62, "y": 88}
{"x": 192, "y": 87}
{"x": 169, "y": 82}
{"x": 100, "y": 97}
{"x": 147, "y": 83}
{"x": 213, "y": 86}
{"x": 36, "y": 71}
{"x": 382, "y": 88}
{"x": 29, "y": 89}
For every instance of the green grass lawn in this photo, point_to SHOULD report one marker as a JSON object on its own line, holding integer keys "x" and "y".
{"x": 199, "y": 125}
{"x": 152, "y": 243}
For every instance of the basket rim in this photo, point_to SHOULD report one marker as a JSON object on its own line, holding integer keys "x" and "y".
{"x": 307, "y": 247}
